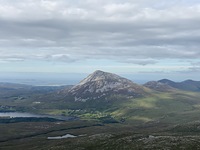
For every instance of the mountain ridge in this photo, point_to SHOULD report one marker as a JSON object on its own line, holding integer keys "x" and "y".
{"x": 101, "y": 84}
{"x": 187, "y": 85}
{"x": 159, "y": 86}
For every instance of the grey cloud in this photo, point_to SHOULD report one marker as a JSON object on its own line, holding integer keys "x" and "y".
{"x": 61, "y": 57}
{"x": 11, "y": 58}
{"x": 139, "y": 62}
{"x": 69, "y": 31}
{"x": 191, "y": 71}
{"x": 195, "y": 69}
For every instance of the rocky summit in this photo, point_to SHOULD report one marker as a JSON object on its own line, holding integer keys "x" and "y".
{"x": 103, "y": 84}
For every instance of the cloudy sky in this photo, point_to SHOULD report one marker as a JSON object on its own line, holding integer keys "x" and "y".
{"x": 148, "y": 37}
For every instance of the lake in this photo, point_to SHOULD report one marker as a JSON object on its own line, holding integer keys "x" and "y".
{"x": 21, "y": 114}
{"x": 62, "y": 137}
{"x": 65, "y": 137}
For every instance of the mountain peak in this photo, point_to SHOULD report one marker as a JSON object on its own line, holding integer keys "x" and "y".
{"x": 166, "y": 81}
{"x": 99, "y": 72}
{"x": 100, "y": 84}
{"x": 99, "y": 75}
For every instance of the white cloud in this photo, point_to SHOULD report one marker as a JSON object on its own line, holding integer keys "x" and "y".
{"x": 141, "y": 32}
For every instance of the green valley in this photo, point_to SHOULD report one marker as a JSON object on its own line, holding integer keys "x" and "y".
{"x": 105, "y": 111}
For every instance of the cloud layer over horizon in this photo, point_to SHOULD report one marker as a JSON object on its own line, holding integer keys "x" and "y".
{"x": 143, "y": 32}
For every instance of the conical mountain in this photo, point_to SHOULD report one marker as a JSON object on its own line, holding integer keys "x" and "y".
{"x": 103, "y": 84}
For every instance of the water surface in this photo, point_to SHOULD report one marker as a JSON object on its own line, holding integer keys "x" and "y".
{"x": 24, "y": 114}
{"x": 19, "y": 114}
{"x": 61, "y": 137}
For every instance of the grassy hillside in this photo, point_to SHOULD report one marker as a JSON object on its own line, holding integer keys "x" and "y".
{"x": 174, "y": 107}
{"x": 170, "y": 107}
{"x": 159, "y": 120}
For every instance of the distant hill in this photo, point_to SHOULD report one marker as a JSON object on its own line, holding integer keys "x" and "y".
{"x": 188, "y": 85}
{"x": 6, "y": 85}
{"x": 15, "y": 89}
{"x": 158, "y": 86}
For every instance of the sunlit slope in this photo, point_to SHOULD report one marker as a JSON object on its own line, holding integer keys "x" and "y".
{"x": 173, "y": 107}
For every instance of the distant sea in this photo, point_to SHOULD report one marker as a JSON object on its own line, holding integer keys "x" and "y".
{"x": 57, "y": 79}
{"x": 47, "y": 79}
